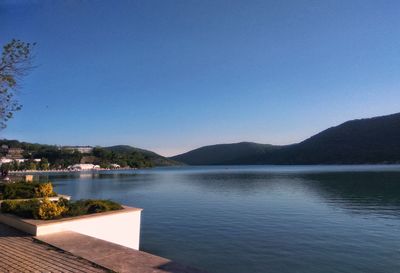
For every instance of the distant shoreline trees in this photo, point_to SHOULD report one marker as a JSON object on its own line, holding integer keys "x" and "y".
{"x": 55, "y": 157}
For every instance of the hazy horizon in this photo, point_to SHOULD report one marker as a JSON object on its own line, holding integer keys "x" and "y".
{"x": 190, "y": 148}
{"x": 171, "y": 76}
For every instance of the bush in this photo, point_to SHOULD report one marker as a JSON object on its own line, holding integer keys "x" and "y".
{"x": 47, "y": 210}
{"x": 8, "y": 206}
{"x": 19, "y": 190}
{"x": 23, "y": 190}
{"x": 44, "y": 190}
{"x": 82, "y": 207}
{"x": 25, "y": 209}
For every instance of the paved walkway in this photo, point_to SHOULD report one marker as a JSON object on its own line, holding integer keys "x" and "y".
{"x": 74, "y": 252}
{"x": 21, "y": 253}
{"x": 115, "y": 257}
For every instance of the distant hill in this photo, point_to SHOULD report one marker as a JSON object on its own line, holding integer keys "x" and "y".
{"x": 61, "y": 157}
{"x": 372, "y": 140}
{"x": 155, "y": 158}
{"x": 223, "y": 153}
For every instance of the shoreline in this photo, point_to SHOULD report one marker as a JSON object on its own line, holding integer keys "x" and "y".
{"x": 346, "y": 166}
{"x": 68, "y": 171}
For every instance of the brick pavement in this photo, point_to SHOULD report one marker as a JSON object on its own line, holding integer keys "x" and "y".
{"x": 21, "y": 253}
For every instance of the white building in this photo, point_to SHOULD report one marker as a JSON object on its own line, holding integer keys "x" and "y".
{"x": 81, "y": 149}
{"x": 18, "y": 160}
{"x": 5, "y": 160}
{"x": 83, "y": 167}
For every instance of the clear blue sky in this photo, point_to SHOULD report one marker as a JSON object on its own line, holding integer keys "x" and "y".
{"x": 170, "y": 76}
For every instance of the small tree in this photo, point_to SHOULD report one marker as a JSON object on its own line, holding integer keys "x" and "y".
{"x": 22, "y": 166}
{"x": 31, "y": 165}
{"x": 15, "y": 62}
{"x": 4, "y": 169}
{"x": 14, "y": 166}
{"x": 44, "y": 164}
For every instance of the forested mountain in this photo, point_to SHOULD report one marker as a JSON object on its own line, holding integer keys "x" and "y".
{"x": 156, "y": 159}
{"x": 223, "y": 153}
{"x": 61, "y": 157}
{"x": 372, "y": 140}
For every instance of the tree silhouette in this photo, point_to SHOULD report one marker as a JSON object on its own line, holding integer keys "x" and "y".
{"x": 15, "y": 63}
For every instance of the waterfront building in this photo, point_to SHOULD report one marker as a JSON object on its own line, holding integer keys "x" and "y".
{"x": 14, "y": 153}
{"x": 83, "y": 167}
{"x": 5, "y": 160}
{"x": 81, "y": 149}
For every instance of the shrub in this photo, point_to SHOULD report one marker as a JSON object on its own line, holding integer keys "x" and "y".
{"x": 44, "y": 190}
{"x": 23, "y": 190}
{"x": 19, "y": 190}
{"x": 26, "y": 209}
{"x": 82, "y": 207}
{"x": 49, "y": 210}
{"x": 8, "y": 206}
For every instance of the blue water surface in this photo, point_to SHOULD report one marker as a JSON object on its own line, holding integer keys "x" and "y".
{"x": 278, "y": 219}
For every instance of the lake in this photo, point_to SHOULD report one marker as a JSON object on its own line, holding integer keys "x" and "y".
{"x": 277, "y": 219}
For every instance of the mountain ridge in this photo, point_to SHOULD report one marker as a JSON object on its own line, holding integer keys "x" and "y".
{"x": 157, "y": 159}
{"x": 360, "y": 141}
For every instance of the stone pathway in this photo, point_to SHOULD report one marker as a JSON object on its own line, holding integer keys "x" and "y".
{"x": 22, "y": 253}
{"x": 115, "y": 257}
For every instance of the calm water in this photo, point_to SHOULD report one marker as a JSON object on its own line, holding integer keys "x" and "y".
{"x": 261, "y": 219}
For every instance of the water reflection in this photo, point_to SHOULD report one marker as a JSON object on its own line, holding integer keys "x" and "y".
{"x": 246, "y": 219}
{"x": 370, "y": 192}
{"x": 354, "y": 190}
{"x": 374, "y": 192}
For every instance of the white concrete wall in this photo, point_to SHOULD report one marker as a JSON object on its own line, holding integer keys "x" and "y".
{"x": 119, "y": 228}
{"x": 15, "y": 221}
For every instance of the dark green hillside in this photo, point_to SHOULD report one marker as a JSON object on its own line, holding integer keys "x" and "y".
{"x": 59, "y": 157}
{"x": 363, "y": 141}
{"x": 155, "y": 158}
{"x": 373, "y": 140}
{"x": 223, "y": 153}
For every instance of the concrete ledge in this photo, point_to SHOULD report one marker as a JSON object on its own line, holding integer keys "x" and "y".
{"x": 18, "y": 223}
{"x": 120, "y": 226}
{"x": 114, "y": 257}
{"x": 20, "y": 252}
